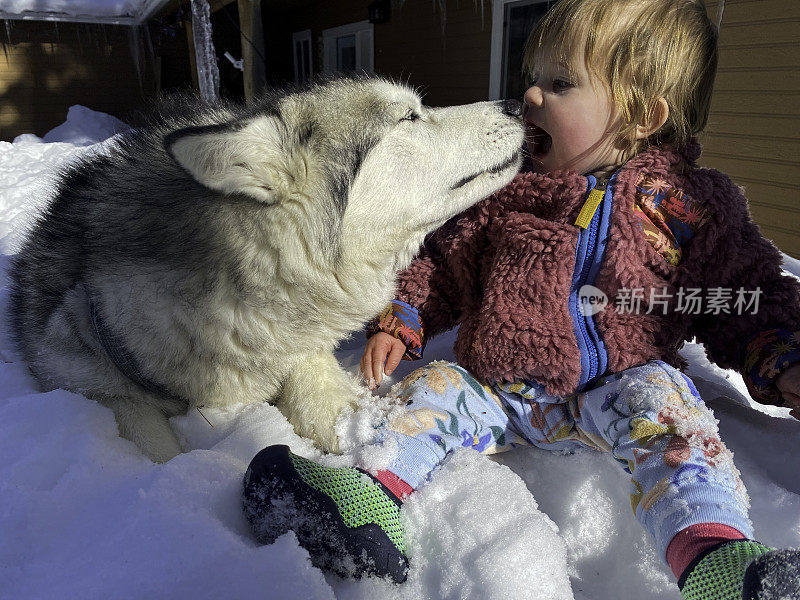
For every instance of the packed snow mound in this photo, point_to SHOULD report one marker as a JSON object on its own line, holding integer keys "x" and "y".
{"x": 85, "y": 127}
{"x": 85, "y": 515}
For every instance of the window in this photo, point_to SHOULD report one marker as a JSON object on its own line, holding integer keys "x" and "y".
{"x": 348, "y": 48}
{"x": 512, "y": 21}
{"x": 346, "y": 53}
{"x": 301, "y": 40}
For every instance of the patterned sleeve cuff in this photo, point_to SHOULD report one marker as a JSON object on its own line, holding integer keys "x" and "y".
{"x": 767, "y": 355}
{"x": 402, "y": 321}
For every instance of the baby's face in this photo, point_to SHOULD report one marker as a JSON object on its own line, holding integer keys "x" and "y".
{"x": 571, "y": 122}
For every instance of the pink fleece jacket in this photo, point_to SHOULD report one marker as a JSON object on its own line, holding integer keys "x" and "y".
{"x": 503, "y": 271}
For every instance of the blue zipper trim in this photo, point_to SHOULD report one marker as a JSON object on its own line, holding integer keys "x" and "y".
{"x": 578, "y": 322}
{"x": 588, "y": 257}
{"x": 600, "y": 251}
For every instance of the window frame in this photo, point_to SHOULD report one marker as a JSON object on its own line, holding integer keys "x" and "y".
{"x": 364, "y": 33}
{"x": 298, "y": 37}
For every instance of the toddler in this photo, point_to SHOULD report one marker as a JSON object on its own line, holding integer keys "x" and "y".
{"x": 574, "y": 288}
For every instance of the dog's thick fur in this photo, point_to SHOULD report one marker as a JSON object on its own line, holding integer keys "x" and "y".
{"x": 228, "y": 249}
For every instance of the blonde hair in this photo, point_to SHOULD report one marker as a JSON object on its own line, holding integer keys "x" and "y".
{"x": 642, "y": 50}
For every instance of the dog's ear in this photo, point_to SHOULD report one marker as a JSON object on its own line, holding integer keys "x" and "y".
{"x": 242, "y": 158}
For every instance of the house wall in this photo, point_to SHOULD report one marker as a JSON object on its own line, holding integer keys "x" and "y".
{"x": 445, "y": 55}
{"x": 753, "y": 132}
{"x": 281, "y": 19}
{"x": 47, "y": 67}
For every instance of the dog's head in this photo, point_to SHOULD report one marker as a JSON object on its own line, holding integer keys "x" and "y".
{"x": 361, "y": 153}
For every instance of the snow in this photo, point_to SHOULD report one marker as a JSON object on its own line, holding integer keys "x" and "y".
{"x": 85, "y": 515}
{"x": 85, "y": 127}
{"x": 122, "y": 12}
{"x": 104, "y": 8}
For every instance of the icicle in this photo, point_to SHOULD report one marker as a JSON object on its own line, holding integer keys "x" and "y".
{"x": 7, "y": 43}
{"x": 148, "y": 44}
{"x": 442, "y": 4}
{"x": 207, "y": 71}
{"x": 136, "y": 54}
{"x": 483, "y": 16}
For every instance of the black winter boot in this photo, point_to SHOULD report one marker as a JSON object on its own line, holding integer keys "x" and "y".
{"x": 742, "y": 570}
{"x": 773, "y": 576}
{"x": 347, "y": 520}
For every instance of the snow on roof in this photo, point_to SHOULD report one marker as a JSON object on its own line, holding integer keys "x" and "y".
{"x": 121, "y": 12}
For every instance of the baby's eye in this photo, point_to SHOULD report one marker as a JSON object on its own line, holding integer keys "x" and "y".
{"x": 560, "y": 85}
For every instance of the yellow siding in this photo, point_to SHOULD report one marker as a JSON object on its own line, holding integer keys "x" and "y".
{"x": 753, "y": 132}
{"x": 446, "y": 60}
{"x": 48, "y": 67}
{"x": 449, "y": 69}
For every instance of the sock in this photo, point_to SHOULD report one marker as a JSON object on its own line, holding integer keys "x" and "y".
{"x": 690, "y": 542}
{"x": 394, "y": 484}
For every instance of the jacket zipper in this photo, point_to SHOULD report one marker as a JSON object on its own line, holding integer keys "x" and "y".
{"x": 589, "y": 222}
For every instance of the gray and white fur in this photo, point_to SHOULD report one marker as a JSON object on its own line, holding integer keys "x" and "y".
{"x": 222, "y": 252}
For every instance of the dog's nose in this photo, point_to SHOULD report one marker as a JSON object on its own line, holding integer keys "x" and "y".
{"x": 512, "y": 108}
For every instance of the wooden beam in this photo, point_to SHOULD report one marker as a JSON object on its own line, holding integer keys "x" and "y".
{"x": 252, "y": 47}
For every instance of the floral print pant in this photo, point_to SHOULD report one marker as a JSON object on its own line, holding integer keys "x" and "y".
{"x": 650, "y": 418}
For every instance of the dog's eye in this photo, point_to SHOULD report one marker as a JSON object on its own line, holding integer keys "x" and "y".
{"x": 410, "y": 116}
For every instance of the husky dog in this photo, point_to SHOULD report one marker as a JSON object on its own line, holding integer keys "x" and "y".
{"x": 219, "y": 254}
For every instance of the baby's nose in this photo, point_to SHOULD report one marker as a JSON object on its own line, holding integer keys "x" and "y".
{"x": 533, "y": 96}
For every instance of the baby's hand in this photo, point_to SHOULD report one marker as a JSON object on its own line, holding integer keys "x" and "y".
{"x": 378, "y": 347}
{"x": 788, "y": 383}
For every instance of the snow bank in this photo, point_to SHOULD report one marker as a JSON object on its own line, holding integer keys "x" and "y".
{"x": 85, "y": 127}
{"x": 85, "y": 515}
{"x": 27, "y": 173}
{"x": 28, "y": 167}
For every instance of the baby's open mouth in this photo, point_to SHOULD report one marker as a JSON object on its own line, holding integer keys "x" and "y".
{"x": 539, "y": 141}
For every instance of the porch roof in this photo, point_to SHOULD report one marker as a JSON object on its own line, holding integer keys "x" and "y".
{"x": 116, "y": 12}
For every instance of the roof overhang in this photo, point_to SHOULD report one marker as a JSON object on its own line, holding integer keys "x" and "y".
{"x": 146, "y": 10}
